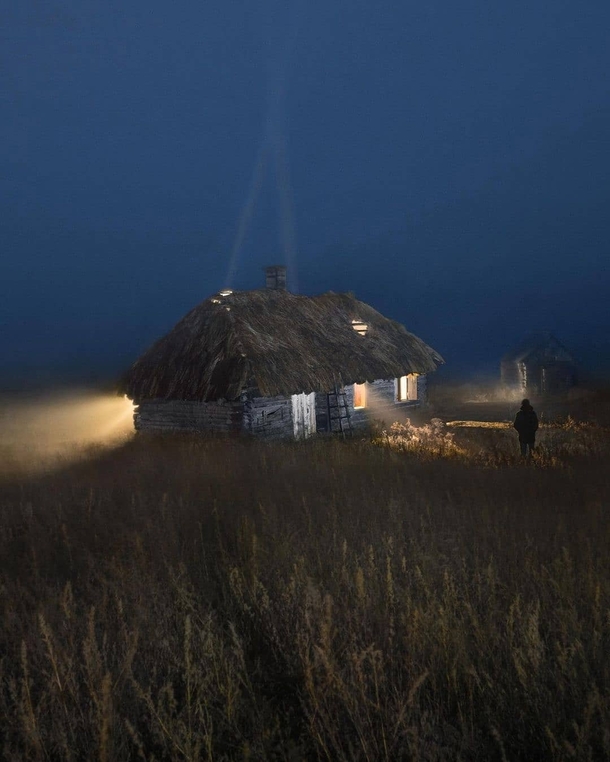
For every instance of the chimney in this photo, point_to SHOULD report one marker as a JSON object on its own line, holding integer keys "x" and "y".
{"x": 275, "y": 277}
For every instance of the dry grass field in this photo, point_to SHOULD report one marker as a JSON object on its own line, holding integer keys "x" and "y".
{"x": 182, "y": 598}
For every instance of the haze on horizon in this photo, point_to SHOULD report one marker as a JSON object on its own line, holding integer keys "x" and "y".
{"x": 446, "y": 162}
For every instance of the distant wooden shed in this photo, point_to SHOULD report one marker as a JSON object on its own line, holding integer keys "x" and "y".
{"x": 541, "y": 364}
{"x": 274, "y": 364}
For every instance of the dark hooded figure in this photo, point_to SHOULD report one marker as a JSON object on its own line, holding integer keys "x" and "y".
{"x": 526, "y": 423}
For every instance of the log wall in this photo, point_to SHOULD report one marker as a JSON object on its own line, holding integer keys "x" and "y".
{"x": 268, "y": 417}
{"x": 272, "y": 417}
{"x": 180, "y": 415}
{"x": 422, "y": 390}
{"x": 381, "y": 405}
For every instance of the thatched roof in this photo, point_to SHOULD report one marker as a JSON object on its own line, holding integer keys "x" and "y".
{"x": 534, "y": 344}
{"x": 276, "y": 341}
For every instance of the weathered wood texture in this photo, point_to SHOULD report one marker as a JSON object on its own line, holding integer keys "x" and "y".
{"x": 381, "y": 405}
{"x": 180, "y": 415}
{"x": 422, "y": 389}
{"x": 262, "y": 417}
{"x": 268, "y": 417}
{"x": 273, "y": 417}
{"x": 303, "y": 415}
{"x": 340, "y": 407}
{"x": 541, "y": 365}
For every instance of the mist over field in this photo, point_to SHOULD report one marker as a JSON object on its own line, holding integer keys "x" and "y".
{"x": 423, "y": 593}
{"x": 42, "y": 430}
{"x": 419, "y": 591}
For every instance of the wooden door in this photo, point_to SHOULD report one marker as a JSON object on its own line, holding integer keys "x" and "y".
{"x": 304, "y": 415}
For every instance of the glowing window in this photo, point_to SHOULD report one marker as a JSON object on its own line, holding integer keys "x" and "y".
{"x": 359, "y": 395}
{"x": 360, "y": 327}
{"x": 402, "y": 389}
{"x": 406, "y": 388}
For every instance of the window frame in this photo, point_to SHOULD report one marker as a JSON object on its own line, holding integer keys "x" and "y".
{"x": 410, "y": 388}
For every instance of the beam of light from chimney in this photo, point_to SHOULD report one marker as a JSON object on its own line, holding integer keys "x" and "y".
{"x": 286, "y": 208}
{"x": 247, "y": 211}
{"x": 273, "y": 138}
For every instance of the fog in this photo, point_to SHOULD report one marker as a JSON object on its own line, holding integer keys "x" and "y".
{"x": 49, "y": 430}
{"x": 446, "y": 162}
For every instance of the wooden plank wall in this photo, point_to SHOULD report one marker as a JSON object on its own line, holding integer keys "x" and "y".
{"x": 321, "y": 411}
{"x": 381, "y": 404}
{"x": 303, "y": 408}
{"x": 359, "y": 416}
{"x": 180, "y": 415}
{"x": 422, "y": 389}
{"x": 382, "y": 407}
{"x": 268, "y": 417}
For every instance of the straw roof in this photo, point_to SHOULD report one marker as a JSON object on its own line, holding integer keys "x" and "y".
{"x": 276, "y": 341}
{"x": 535, "y": 343}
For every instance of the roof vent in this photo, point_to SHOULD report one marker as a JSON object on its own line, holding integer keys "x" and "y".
{"x": 275, "y": 277}
{"x": 360, "y": 327}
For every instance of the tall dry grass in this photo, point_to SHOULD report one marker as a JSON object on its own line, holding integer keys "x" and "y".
{"x": 194, "y": 599}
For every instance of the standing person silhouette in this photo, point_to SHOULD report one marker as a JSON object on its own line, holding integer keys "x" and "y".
{"x": 526, "y": 423}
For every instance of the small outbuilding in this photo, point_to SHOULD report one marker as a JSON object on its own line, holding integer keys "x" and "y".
{"x": 540, "y": 365}
{"x": 270, "y": 363}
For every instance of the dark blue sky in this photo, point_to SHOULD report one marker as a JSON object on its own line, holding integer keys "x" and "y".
{"x": 448, "y": 162}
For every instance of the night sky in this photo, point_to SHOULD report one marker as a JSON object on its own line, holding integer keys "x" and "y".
{"x": 447, "y": 161}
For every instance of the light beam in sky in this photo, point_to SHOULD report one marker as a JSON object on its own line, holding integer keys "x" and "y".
{"x": 273, "y": 141}
{"x": 247, "y": 211}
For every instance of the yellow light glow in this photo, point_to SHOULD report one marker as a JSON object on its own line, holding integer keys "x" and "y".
{"x": 55, "y": 429}
{"x": 226, "y": 292}
{"x": 360, "y": 327}
{"x": 359, "y": 395}
{"x": 402, "y": 393}
{"x": 407, "y": 388}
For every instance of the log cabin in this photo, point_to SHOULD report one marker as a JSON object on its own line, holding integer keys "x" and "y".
{"x": 539, "y": 365}
{"x": 274, "y": 364}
